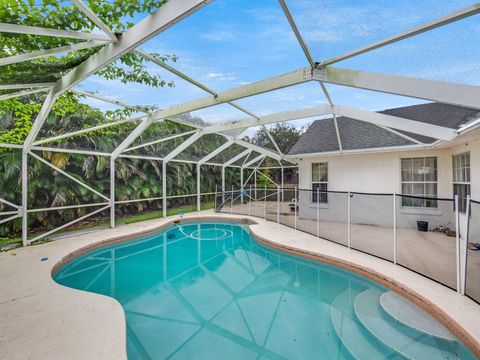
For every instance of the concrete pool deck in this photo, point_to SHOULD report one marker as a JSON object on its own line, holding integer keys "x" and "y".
{"x": 43, "y": 320}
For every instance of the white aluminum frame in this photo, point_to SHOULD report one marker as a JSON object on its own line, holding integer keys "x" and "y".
{"x": 168, "y": 15}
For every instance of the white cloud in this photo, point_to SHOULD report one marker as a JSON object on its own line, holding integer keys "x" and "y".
{"x": 323, "y": 36}
{"x": 218, "y": 36}
{"x": 219, "y": 76}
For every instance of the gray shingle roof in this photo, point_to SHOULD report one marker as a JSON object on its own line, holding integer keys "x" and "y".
{"x": 355, "y": 134}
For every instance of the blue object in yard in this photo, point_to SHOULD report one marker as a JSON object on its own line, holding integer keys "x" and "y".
{"x": 44, "y": 259}
{"x": 181, "y": 215}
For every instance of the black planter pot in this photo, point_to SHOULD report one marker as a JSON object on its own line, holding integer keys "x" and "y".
{"x": 422, "y": 226}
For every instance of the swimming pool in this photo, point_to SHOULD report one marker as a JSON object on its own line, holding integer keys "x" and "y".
{"x": 204, "y": 290}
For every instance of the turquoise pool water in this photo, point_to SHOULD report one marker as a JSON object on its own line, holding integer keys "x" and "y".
{"x": 210, "y": 291}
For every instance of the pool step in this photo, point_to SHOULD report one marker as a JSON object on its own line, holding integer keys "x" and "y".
{"x": 407, "y": 313}
{"x": 352, "y": 334}
{"x": 406, "y": 341}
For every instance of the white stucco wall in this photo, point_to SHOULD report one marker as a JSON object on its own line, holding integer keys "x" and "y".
{"x": 380, "y": 173}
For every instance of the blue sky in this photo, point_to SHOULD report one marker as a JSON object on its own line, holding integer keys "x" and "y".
{"x": 231, "y": 42}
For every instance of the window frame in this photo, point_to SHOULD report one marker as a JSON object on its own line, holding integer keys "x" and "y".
{"x": 465, "y": 182}
{"x": 425, "y": 204}
{"x": 318, "y": 183}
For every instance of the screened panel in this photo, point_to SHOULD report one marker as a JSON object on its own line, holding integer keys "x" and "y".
{"x": 159, "y": 149}
{"x": 331, "y": 28}
{"x": 426, "y": 238}
{"x": 252, "y": 155}
{"x": 227, "y": 154}
{"x": 219, "y": 114}
{"x": 94, "y": 140}
{"x": 368, "y": 100}
{"x": 227, "y": 44}
{"x": 290, "y": 98}
{"x": 472, "y": 282}
{"x": 202, "y": 147}
{"x": 372, "y": 220}
{"x": 452, "y": 54}
{"x": 160, "y": 130}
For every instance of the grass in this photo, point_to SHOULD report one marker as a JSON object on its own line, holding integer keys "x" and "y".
{"x": 125, "y": 219}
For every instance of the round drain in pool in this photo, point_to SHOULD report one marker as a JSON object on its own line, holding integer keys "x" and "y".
{"x": 210, "y": 234}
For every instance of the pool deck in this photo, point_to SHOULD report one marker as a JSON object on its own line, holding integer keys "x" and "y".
{"x": 43, "y": 320}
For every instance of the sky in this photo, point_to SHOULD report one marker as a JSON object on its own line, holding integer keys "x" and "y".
{"x": 230, "y": 43}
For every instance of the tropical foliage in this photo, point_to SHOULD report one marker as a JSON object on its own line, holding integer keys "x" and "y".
{"x": 136, "y": 178}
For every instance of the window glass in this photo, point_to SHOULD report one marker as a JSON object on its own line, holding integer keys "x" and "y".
{"x": 419, "y": 178}
{"x": 320, "y": 182}
{"x": 461, "y": 179}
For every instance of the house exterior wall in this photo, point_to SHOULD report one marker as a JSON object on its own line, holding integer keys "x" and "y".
{"x": 381, "y": 173}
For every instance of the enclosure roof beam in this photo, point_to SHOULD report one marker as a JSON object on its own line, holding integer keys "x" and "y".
{"x": 337, "y": 132}
{"x": 253, "y": 161}
{"x": 159, "y": 140}
{"x": 22, "y": 93}
{"x": 273, "y": 83}
{"x": 259, "y": 149}
{"x": 444, "y": 92}
{"x": 73, "y": 178}
{"x": 95, "y": 19}
{"x": 294, "y": 27}
{"x": 444, "y": 20}
{"x": 182, "y": 146}
{"x": 272, "y": 140}
{"x": 35, "y": 30}
{"x": 303, "y": 45}
{"x": 189, "y": 79}
{"x": 398, "y": 123}
{"x": 409, "y": 138}
{"x": 70, "y": 151}
{"x": 87, "y": 130}
{"x": 108, "y": 100}
{"x": 215, "y": 152}
{"x": 270, "y": 119}
{"x": 42, "y": 53}
{"x": 25, "y": 86}
{"x": 164, "y": 17}
{"x": 237, "y": 157}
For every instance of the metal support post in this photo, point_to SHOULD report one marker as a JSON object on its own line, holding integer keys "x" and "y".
{"x": 283, "y": 185}
{"x": 395, "y": 228}
{"x": 24, "y": 197}
{"x": 295, "y": 206}
{"x": 223, "y": 184}
{"x": 231, "y": 201}
{"x": 164, "y": 188}
{"x": 349, "y": 220}
{"x": 241, "y": 185}
{"x": 265, "y": 203}
{"x": 255, "y": 182}
{"x": 318, "y": 212}
{"x": 250, "y": 201}
{"x": 457, "y": 243}
{"x": 278, "y": 204}
{"x": 112, "y": 192}
{"x": 199, "y": 200}
{"x": 467, "y": 236}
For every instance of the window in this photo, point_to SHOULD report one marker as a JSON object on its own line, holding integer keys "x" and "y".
{"x": 419, "y": 178}
{"x": 461, "y": 179}
{"x": 320, "y": 182}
